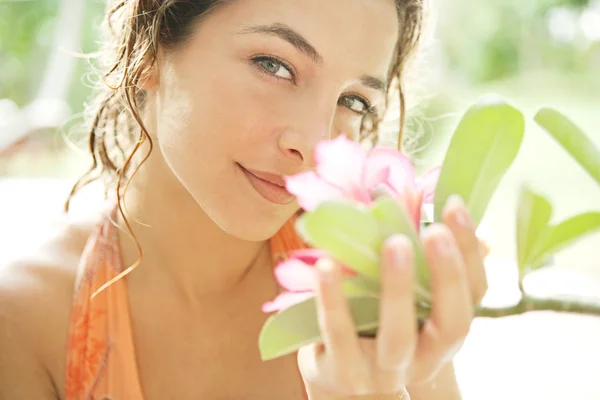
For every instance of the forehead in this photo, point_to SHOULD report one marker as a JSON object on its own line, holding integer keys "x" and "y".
{"x": 356, "y": 34}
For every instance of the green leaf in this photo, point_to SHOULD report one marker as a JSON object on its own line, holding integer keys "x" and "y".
{"x": 561, "y": 235}
{"x": 572, "y": 139}
{"x": 297, "y": 326}
{"x": 393, "y": 218}
{"x": 359, "y": 286}
{"x": 348, "y": 233}
{"x": 533, "y": 216}
{"x": 483, "y": 147}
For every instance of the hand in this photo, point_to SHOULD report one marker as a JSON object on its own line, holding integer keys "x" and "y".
{"x": 401, "y": 355}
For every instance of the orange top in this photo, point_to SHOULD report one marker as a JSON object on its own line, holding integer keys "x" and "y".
{"x": 101, "y": 361}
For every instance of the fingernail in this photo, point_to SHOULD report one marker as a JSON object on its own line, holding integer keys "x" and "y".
{"x": 326, "y": 271}
{"x": 457, "y": 206}
{"x": 400, "y": 246}
{"x": 456, "y": 201}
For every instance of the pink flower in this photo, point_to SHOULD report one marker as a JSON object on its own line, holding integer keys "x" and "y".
{"x": 346, "y": 171}
{"x": 297, "y": 275}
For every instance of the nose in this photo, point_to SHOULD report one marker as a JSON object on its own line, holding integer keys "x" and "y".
{"x": 299, "y": 140}
{"x": 301, "y": 147}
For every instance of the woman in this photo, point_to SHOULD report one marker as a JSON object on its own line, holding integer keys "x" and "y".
{"x": 207, "y": 104}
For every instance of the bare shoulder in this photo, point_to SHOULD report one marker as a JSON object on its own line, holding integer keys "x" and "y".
{"x": 37, "y": 276}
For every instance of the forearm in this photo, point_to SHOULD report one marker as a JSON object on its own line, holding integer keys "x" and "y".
{"x": 444, "y": 387}
{"x": 399, "y": 396}
{"x": 314, "y": 394}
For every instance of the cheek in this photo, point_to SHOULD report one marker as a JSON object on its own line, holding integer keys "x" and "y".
{"x": 234, "y": 109}
{"x": 200, "y": 120}
{"x": 208, "y": 120}
{"x": 348, "y": 126}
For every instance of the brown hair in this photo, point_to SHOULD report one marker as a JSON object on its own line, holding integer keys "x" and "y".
{"x": 133, "y": 32}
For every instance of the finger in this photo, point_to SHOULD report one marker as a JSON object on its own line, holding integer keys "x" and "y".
{"x": 308, "y": 358}
{"x": 457, "y": 218}
{"x": 397, "y": 332}
{"x": 452, "y": 310}
{"x": 335, "y": 321}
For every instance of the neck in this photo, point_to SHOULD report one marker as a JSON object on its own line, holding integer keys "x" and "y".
{"x": 182, "y": 247}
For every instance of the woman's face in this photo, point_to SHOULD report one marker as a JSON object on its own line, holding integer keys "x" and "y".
{"x": 256, "y": 87}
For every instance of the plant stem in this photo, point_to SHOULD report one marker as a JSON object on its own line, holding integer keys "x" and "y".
{"x": 586, "y": 307}
{"x": 527, "y": 304}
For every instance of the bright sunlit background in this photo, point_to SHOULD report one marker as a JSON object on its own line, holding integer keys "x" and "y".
{"x": 534, "y": 52}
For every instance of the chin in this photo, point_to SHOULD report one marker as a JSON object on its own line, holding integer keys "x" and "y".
{"x": 249, "y": 223}
{"x": 244, "y": 214}
{"x": 233, "y": 205}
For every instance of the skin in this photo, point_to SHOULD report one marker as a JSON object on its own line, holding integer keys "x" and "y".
{"x": 213, "y": 105}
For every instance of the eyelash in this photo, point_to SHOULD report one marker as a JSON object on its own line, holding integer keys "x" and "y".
{"x": 256, "y": 63}
{"x": 369, "y": 109}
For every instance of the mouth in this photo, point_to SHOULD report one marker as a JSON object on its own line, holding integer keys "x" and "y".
{"x": 270, "y": 186}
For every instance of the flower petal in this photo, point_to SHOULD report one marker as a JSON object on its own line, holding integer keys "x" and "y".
{"x": 383, "y": 190}
{"x": 308, "y": 256}
{"x": 340, "y": 162}
{"x": 427, "y": 183}
{"x": 310, "y": 190}
{"x": 286, "y": 300}
{"x": 401, "y": 170}
{"x": 347, "y": 272}
{"x": 296, "y": 276}
{"x": 414, "y": 207}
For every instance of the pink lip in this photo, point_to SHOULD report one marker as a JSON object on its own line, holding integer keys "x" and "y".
{"x": 265, "y": 176}
{"x": 269, "y": 186}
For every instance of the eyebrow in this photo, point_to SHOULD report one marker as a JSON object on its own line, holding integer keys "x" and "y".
{"x": 294, "y": 38}
{"x": 374, "y": 83}
{"x": 289, "y": 35}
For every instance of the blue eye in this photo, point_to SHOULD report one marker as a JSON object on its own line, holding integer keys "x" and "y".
{"x": 275, "y": 67}
{"x": 356, "y": 104}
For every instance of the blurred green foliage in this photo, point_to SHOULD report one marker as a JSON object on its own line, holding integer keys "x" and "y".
{"x": 25, "y": 30}
{"x": 499, "y": 39}
{"x": 26, "y": 39}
